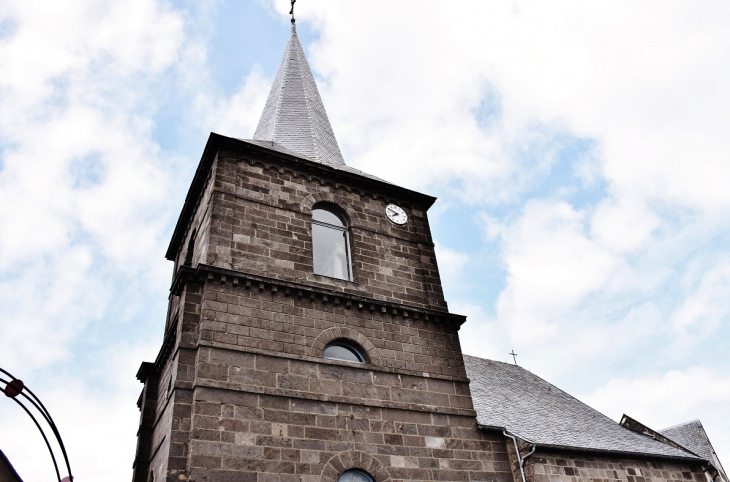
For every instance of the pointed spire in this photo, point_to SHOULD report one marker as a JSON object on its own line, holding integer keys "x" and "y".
{"x": 294, "y": 115}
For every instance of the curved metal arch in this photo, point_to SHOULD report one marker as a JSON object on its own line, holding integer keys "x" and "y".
{"x": 38, "y": 405}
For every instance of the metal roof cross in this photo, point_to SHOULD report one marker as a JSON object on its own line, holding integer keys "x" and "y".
{"x": 291, "y": 12}
{"x": 514, "y": 355}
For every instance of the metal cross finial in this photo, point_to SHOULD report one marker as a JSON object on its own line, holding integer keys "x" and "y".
{"x": 291, "y": 12}
{"x": 514, "y": 355}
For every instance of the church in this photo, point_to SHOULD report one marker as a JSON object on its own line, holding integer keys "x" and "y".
{"x": 308, "y": 339}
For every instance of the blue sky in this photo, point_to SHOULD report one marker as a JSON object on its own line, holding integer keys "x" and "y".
{"x": 579, "y": 154}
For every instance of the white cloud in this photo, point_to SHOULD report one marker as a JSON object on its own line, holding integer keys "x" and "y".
{"x": 707, "y": 306}
{"x": 574, "y": 292}
{"x": 239, "y": 115}
{"x": 46, "y": 306}
{"x": 480, "y": 335}
{"x": 451, "y": 265}
{"x": 68, "y": 98}
{"x": 552, "y": 266}
{"x": 642, "y": 81}
{"x": 82, "y": 186}
{"x": 84, "y": 193}
{"x": 646, "y": 396}
{"x": 625, "y": 225}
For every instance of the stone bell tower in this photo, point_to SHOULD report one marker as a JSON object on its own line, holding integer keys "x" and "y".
{"x": 307, "y": 336}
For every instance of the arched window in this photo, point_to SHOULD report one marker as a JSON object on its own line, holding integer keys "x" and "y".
{"x": 331, "y": 243}
{"x": 355, "y": 475}
{"x": 344, "y": 350}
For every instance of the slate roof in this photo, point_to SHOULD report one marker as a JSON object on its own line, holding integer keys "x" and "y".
{"x": 294, "y": 116}
{"x": 692, "y": 436}
{"x": 510, "y": 397}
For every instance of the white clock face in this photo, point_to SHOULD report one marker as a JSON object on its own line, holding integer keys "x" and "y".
{"x": 396, "y": 214}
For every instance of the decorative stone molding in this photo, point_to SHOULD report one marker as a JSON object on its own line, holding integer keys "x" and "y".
{"x": 312, "y": 174}
{"x": 342, "y": 332}
{"x": 354, "y": 459}
{"x": 310, "y": 200}
{"x": 204, "y": 272}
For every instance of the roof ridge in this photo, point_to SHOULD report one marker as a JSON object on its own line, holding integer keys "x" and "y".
{"x": 680, "y": 425}
{"x": 307, "y": 104}
{"x": 496, "y": 361}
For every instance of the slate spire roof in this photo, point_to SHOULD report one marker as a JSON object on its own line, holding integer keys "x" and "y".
{"x": 294, "y": 116}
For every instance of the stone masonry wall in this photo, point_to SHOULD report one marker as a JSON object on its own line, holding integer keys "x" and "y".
{"x": 239, "y": 436}
{"x": 329, "y": 380}
{"x": 249, "y": 404}
{"x": 200, "y": 223}
{"x": 261, "y": 224}
{"x": 574, "y": 467}
{"x": 249, "y": 318}
{"x": 171, "y": 431}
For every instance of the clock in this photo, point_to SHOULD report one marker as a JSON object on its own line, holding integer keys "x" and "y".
{"x": 396, "y": 214}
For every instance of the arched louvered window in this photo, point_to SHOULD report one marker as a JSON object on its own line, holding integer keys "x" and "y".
{"x": 331, "y": 243}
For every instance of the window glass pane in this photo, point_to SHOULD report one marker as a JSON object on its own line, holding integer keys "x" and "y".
{"x": 327, "y": 217}
{"x": 330, "y": 252}
{"x": 341, "y": 352}
{"x": 354, "y": 476}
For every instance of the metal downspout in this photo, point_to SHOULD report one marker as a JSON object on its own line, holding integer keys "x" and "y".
{"x": 517, "y": 451}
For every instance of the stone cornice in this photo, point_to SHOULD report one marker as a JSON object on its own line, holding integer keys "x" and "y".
{"x": 325, "y": 174}
{"x": 205, "y": 272}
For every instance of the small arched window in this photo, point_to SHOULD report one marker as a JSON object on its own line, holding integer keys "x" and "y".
{"x": 331, "y": 243}
{"x": 345, "y": 350}
{"x": 355, "y": 475}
